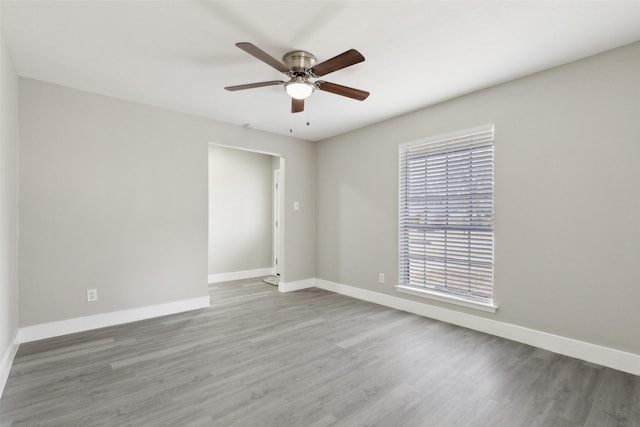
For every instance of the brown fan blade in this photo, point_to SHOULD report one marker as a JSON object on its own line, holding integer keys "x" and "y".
{"x": 349, "y": 92}
{"x": 336, "y": 63}
{"x": 297, "y": 105}
{"x": 253, "y": 85}
{"x": 263, "y": 56}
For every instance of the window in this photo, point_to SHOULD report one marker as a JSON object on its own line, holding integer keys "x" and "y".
{"x": 446, "y": 218}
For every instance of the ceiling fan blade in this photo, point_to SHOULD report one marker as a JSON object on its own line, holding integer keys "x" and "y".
{"x": 263, "y": 56}
{"x": 336, "y": 63}
{"x": 297, "y": 105}
{"x": 254, "y": 85}
{"x": 349, "y": 92}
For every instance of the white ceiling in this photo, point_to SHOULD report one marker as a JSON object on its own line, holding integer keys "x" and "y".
{"x": 180, "y": 54}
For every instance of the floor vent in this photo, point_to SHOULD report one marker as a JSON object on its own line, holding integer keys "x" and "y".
{"x": 272, "y": 280}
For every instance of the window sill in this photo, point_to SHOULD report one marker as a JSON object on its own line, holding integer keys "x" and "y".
{"x": 451, "y": 299}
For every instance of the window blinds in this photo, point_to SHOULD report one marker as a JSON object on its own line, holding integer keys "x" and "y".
{"x": 446, "y": 214}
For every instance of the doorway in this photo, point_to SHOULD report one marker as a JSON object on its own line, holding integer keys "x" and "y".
{"x": 245, "y": 214}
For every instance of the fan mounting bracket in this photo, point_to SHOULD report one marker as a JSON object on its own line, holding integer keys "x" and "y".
{"x": 299, "y": 61}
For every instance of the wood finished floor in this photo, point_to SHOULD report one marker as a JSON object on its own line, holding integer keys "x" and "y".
{"x": 257, "y": 357}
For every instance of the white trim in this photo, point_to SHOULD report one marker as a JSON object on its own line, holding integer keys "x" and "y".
{"x": 277, "y": 209}
{"x": 449, "y": 135}
{"x": 297, "y": 285}
{"x": 250, "y": 150}
{"x": 80, "y": 324}
{"x": 451, "y": 299}
{"x": 237, "y": 275}
{"x": 616, "y": 359}
{"x": 7, "y": 361}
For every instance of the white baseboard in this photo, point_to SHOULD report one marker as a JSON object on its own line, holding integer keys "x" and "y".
{"x": 296, "y": 285}
{"x": 616, "y": 359}
{"x": 7, "y": 361}
{"x": 86, "y": 323}
{"x": 238, "y": 275}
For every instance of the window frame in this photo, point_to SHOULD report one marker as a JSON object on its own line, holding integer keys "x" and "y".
{"x": 487, "y": 305}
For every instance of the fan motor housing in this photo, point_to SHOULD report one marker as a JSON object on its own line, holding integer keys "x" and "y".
{"x": 299, "y": 60}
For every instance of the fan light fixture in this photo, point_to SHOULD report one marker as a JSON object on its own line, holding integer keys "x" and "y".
{"x": 300, "y": 66}
{"x": 298, "y": 88}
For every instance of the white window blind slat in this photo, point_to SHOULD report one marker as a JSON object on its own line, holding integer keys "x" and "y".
{"x": 446, "y": 214}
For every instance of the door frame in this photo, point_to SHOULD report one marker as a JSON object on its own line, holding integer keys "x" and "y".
{"x": 277, "y": 222}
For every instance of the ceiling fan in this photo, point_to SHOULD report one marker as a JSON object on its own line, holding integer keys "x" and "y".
{"x": 301, "y": 66}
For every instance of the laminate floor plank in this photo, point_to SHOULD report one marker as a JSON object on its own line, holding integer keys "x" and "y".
{"x": 257, "y": 357}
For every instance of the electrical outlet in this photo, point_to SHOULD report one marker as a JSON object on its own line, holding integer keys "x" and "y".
{"x": 381, "y": 277}
{"x": 296, "y": 206}
{"x": 92, "y": 295}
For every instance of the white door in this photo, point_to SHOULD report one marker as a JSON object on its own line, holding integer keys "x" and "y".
{"x": 277, "y": 222}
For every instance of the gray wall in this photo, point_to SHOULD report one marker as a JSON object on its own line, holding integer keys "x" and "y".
{"x": 113, "y": 196}
{"x": 8, "y": 200}
{"x": 567, "y": 198}
{"x": 240, "y": 210}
